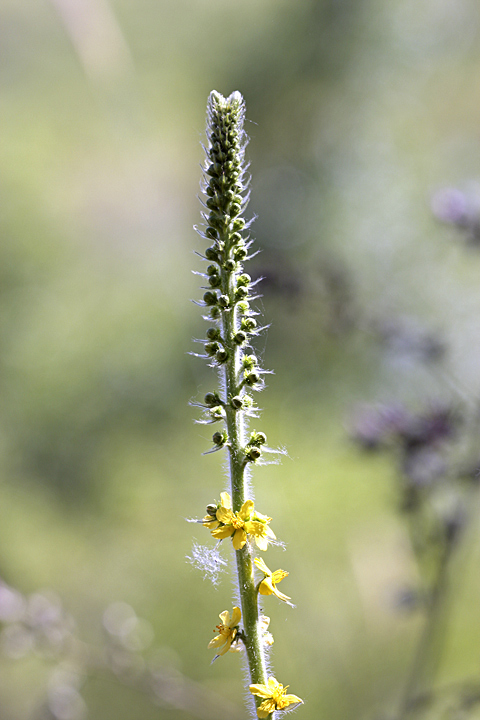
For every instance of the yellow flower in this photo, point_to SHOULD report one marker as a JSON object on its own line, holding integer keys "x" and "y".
{"x": 275, "y": 697}
{"x": 227, "y": 631}
{"x": 258, "y": 527}
{"x": 268, "y": 584}
{"x": 225, "y": 523}
{"x": 232, "y": 524}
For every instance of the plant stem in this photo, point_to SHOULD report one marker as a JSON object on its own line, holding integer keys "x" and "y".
{"x": 424, "y": 662}
{"x": 237, "y": 464}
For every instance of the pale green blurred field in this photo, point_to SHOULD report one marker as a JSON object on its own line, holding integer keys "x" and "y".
{"x": 359, "y": 110}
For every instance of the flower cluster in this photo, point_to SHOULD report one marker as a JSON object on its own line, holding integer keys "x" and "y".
{"x": 223, "y": 522}
{"x": 227, "y": 346}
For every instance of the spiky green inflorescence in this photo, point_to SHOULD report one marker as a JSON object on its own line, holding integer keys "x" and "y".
{"x": 227, "y": 300}
{"x": 227, "y": 297}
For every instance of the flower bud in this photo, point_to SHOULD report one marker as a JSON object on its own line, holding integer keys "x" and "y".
{"x": 238, "y": 224}
{"x": 240, "y": 337}
{"x": 223, "y": 301}
{"x": 211, "y": 233}
{"x": 241, "y": 293}
{"x": 236, "y": 402}
{"x": 215, "y": 313}
{"x": 211, "y": 348}
{"x": 212, "y": 510}
{"x": 248, "y": 324}
{"x": 219, "y": 438}
{"x": 210, "y": 298}
{"x": 215, "y": 281}
{"x": 230, "y": 265}
{"x": 249, "y": 361}
{"x": 211, "y": 254}
{"x": 253, "y": 454}
{"x": 211, "y": 399}
{"x": 257, "y": 439}
{"x": 213, "y": 333}
{"x": 243, "y": 279}
{"x": 252, "y": 378}
{"x": 221, "y": 356}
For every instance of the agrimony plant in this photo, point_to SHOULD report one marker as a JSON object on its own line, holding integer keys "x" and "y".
{"x": 228, "y": 294}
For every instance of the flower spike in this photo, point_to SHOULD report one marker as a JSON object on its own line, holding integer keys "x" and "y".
{"x": 227, "y": 296}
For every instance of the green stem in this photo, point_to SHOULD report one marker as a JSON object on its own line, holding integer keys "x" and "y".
{"x": 427, "y": 654}
{"x": 235, "y": 422}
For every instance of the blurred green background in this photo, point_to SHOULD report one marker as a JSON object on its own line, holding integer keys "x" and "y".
{"x": 358, "y": 110}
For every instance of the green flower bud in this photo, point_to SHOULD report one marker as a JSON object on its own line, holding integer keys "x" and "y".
{"x": 212, "y": 510}
{"x": 257, "y": 439}
{"x": 253, "y": 454}
{"x": 221, "y": 356}
{"x": 211, "y": 348}
{"x": 243, "y": 307}
{"x": 223, "y": 301}
{"x": 235, "y": 208}
{"x": 211, "y": 254}
{"x": 243, "y": 280}
{"x": 240, "y": 337}
{"x": 236, "y": 238}
{"x": 211, "y": 233}
{"x": 210, "y": 298}
{"x": 219, "y": 438}
{"x": 215, "y": 313}
{"x": 238, "y": 224}
{"x": 240, "y": 253}
{"x": 212, "y": 270}
{"x": 230, "y": 265}
{"x": 216, "y": 413}
{"x": 211, "y": 399}
{"x": 252, "y": 378}
{"x": 214, "y": 281}
{"x": 248, "y": 324}
{"x": 213, "y": 333}
{"x": 241, "y": 293}
{"x": 249, "y": 361}
{"x": 236, "y": 402}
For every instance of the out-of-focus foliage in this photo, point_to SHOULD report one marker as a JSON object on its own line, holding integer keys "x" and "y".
{"x": 360, "y": 111}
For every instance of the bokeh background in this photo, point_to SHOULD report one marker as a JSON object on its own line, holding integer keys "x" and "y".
{"x": 359, "y": 111}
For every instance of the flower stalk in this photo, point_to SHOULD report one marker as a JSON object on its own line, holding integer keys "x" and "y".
{"x": 227, "y": 346}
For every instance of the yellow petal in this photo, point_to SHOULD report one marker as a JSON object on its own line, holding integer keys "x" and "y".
{"x": 289, "y": 700}
{"x": 260, "y": 690}
{"x": 267, "y": 707}
{"x": 226, "y": 500}
{"x": 279, "y": 575}
{"x": 280, "y": 595}
{"x": 266, "y": 587}
{"x": 236, "y": 617}
{"x": 246, "y": 510}
{"x": 261, "y": 517}
{"x": 217, "y": 641}
{"x": 261, "y": 542}
{"x": 270, "y": 533}
{"x": 223, "y": 532}
{"x": 239, "y": 539}
{"x": 225, "y": 617}
{"x": 224, "y": 515}
{"x": 273, "y": 684}
{"x": 260, "y": 563}
{"x": 209, "y": 523}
